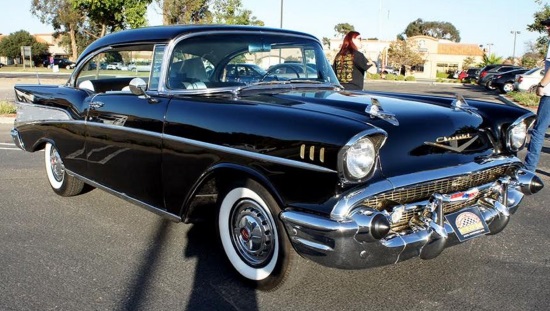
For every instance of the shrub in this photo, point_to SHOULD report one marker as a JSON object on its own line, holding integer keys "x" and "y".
{"x": 400, "y": 78}
{"x": 6, "y": 107}
{"x": 524, "y": 98}
{"x": 410, "y": 78}
{"x": 373, "y": 76}
{"x": 391, "y": 77}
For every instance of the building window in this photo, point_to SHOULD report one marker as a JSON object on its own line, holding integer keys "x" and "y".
{"x": 447, "y": 67}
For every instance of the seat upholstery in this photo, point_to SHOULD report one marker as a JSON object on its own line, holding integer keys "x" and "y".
{"x": 184, "y": 74}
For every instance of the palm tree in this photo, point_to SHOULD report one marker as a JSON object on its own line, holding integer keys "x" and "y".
{"x": 491, "y": 59}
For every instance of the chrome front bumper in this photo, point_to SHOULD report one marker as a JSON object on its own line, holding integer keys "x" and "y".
{"x": 355, "y": 242}
{"x": 17, "y": 139}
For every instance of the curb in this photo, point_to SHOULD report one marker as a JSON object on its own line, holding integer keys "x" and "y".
{"x": 7, "y": 120}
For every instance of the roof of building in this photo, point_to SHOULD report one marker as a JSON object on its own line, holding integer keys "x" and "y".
{"x": 459, "y": 49}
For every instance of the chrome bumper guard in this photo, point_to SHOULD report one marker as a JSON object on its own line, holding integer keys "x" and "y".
{"x": 17, "y": 139}
{"x": 363, "y": 239}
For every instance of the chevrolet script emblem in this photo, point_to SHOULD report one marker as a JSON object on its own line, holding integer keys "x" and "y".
{"x": 452, "y": 143}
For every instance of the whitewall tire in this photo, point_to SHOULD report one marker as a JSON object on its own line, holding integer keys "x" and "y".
{"x": 61, "y": 182}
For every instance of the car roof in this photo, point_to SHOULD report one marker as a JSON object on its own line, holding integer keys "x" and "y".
{"x": 163, "y": 34}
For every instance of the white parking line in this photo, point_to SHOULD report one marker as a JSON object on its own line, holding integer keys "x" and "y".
{"x": 11, "y": 146}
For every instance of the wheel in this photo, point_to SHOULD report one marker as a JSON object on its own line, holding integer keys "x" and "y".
{"x": 507, "y": 87}
{"x": 62, "y": 183}
{"x": 532, "y": 89}
{"x": 253, "y": 237}
{"x": 489, "y": 85}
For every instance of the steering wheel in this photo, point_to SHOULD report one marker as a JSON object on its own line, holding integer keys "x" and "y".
{"x": 272, "y": 70}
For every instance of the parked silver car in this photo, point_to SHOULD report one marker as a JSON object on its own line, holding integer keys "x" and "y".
{"x": 528, "y": 81}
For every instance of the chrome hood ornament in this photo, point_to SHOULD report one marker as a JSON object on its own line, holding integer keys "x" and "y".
{"x": 374, "y": 109}
{"x": 459, "y": 103}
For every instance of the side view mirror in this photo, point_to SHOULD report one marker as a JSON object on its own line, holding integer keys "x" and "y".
{"x": 138, "y": 86}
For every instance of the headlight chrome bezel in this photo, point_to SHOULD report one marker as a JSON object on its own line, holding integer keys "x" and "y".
{"x": 372, "y": 140}
{"x": 516, "y": 135}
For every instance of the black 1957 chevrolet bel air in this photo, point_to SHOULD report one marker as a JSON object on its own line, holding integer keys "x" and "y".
{"x": 287, "y": 163}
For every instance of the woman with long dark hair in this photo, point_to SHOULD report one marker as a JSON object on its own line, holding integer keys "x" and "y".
{"x": 350, "y": 64}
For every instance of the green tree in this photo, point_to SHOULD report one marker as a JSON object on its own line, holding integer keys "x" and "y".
{"x": 65, "y": 19}
{"x": 113, "y": 15}
{"x": 438, "y": 30}
{"x": 491, "y": 59}
{"x": 326, "y": 42}
{"x": 539, "y": 16}
{"x": 343, "y": 28}
{"x": 403, "y": 53}
{"x": 468, "y": 62}
{"x": 231, "y": 12}
{"x": 10, "y": 46}
{"x": 185, "y": 11}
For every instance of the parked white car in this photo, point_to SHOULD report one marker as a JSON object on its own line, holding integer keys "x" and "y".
{"x": 527, "y": 82}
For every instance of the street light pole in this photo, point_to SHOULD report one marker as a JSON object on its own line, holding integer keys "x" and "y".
{"x": 515, "y": 33}
{"x": 281, "y": 14}
{"x": 489, "y": 45}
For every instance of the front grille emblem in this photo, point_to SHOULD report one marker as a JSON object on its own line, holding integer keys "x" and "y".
{"x": 452, "y": 143}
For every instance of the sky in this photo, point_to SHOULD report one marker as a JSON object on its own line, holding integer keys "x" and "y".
{"x": 481, "y": 22}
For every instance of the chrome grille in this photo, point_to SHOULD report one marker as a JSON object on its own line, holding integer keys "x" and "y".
{"x": 423, "y": 191}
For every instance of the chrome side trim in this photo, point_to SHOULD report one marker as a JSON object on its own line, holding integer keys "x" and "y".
{"x": 141, "y": 204}
{"x": 348, "y": 202}
{"x": 28, "y": 112}
{"x": 249, "y": 154}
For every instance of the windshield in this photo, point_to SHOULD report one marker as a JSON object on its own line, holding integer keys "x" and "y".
{"x": 236, "y": 60}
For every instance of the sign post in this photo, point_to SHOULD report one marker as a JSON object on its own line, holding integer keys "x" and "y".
{"x": 26, "y": 53}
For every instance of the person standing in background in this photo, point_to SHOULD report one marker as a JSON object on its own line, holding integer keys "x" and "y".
{"x": 349, "y": 64}
{"x": 543, "y": 113}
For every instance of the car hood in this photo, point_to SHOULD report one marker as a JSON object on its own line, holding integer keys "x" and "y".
{"x": 429, "y": 134}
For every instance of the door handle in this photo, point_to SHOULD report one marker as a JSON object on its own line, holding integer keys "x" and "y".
{"x": 96, "y": 105}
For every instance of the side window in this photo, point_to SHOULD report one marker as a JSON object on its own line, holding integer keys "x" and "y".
{"x": 113, "y": 70}
{"x": 189, "y": 71}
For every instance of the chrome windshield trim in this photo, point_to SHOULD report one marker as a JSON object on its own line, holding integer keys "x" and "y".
{"x": 162, "y": 89}
{"x": 347, "y": 203}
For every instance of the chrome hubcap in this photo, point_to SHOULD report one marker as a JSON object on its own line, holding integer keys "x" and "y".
{"x": 252, "y": 233}
{"x": 56, "y": 165}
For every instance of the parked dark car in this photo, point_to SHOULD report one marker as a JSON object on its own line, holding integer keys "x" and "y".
{"x": 288, "y": 168}
{"x": 64, "y": 63}
{"x": 472, "y": 74}
{"x": 505, "y": 81}
{"x": 489, "y": 71}
{"x": 245, "y": 73}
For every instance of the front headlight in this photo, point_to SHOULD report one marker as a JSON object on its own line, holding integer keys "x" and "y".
{"x": 517, "y": 133}
{"x": 359, "y": 159}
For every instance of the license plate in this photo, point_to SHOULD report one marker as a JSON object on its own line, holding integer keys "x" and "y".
{"x": 468, "y": 223}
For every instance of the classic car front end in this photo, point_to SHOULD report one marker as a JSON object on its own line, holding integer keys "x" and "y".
{"x": 281, "y": 163}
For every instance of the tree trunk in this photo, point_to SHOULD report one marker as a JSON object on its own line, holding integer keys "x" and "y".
{"x": 74, "y": 48}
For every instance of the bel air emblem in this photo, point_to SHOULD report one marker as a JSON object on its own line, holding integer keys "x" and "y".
{"x": 452, "y": 142}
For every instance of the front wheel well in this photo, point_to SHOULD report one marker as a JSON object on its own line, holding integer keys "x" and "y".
{"x": 202, "y": 204}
